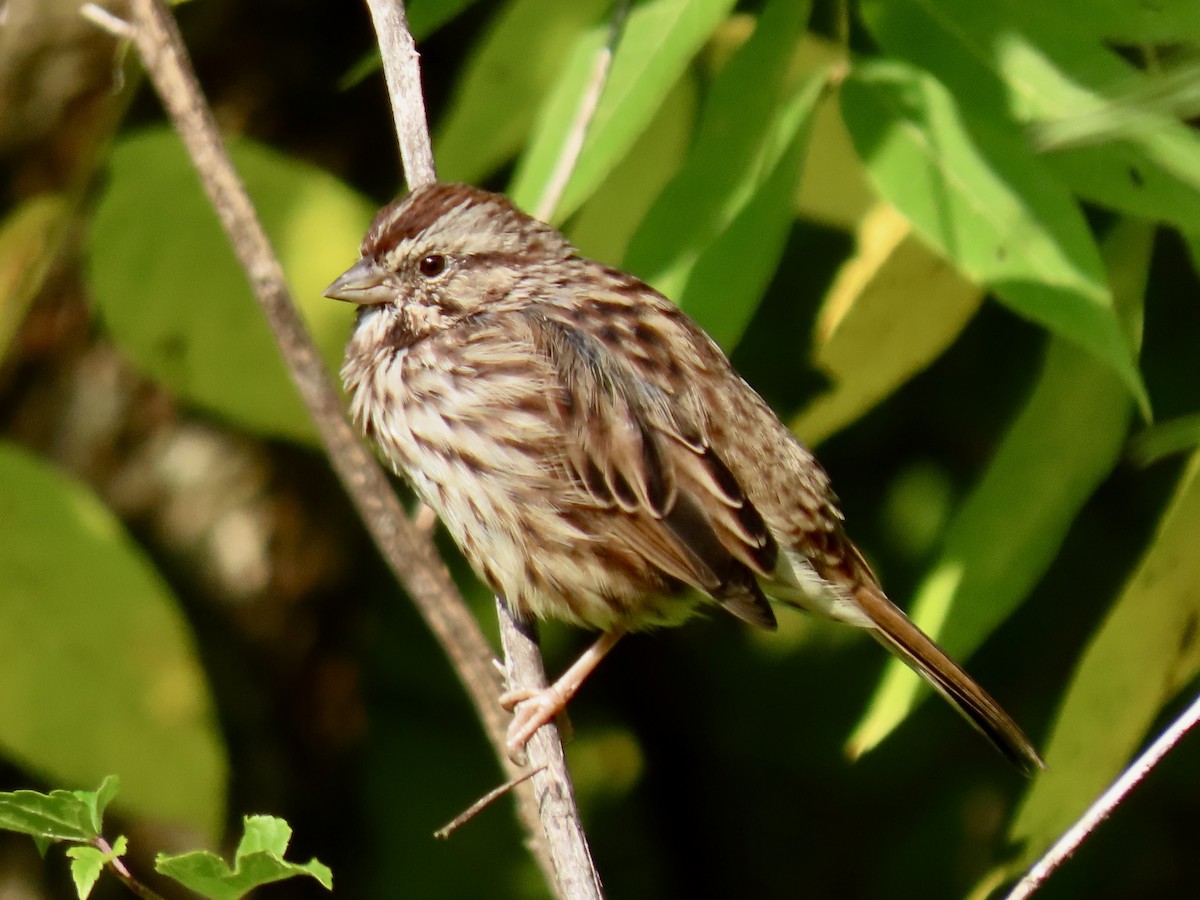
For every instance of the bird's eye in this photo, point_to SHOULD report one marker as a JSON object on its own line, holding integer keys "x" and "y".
{"x": 432, "y": 265}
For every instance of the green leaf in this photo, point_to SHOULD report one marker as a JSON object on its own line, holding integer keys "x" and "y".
{"x": 1060, "y": 448}
{"x": 659, "y": 40}
{"x": 257, "y": 861}
{"x": 607, "y": 222}
{"x": 1163, "y": 439}
{"x": 30, "y": 236}
{"x": 1130, "y": 22}
{"x": 88, "y": 862}
{"x": 174, "y": 298}
{"x": 834, "y": 188}
{"x": 59, "y": 815}
{"x": 1143, "y": 654}
{"x": 892, "y": 309}
{"x": 1029, "y": 61}
{"x": 988, "y": 205}
{"x": 98, "y": 673}
{"x": 731, "y": 274}
{"x": 427, "y": 16}
{"x": 509, "y": 72}
{"x": 713, "y": 237}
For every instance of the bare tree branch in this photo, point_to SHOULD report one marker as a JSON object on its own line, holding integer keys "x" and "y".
{"x": 402, "y": 71}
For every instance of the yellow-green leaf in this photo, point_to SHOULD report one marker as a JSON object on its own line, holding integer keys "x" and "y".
{"x": 1143, "y": 654}
{"x": 892, "y": 309}
{"x": 1063, "y": 443}
{"x": 98, "y": 673}
{"x": 177, "y": 303}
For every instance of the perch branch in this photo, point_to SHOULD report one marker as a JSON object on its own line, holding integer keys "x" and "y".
{"x": 409, "y": 552}
{"x": 574, "y": 874}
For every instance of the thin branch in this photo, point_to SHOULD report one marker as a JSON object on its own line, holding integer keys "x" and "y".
{"x": 574, "y": 870}
{"x": 553, "y": 796}
{"x": 402, "y": 71}
{"x": 1108, "y": 801}
{"x": 584, "y": 114}
{"x": 409, "y": 552}
{"x": 480, "y": 805}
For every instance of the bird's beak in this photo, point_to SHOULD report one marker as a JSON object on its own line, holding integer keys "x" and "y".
{"x": 364, "y": 283}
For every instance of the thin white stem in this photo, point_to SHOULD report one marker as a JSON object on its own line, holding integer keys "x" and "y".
{"x": 584, "y": 114}
{"x": 1108, "y": 801}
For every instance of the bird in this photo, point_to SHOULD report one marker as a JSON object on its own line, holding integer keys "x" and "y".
{"x": 593, "y": 452}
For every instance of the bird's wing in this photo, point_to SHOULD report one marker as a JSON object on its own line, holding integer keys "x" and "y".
{"x": 631, "y": 449}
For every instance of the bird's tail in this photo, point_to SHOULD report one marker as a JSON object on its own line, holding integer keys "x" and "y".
{"x": 893, "y": 629}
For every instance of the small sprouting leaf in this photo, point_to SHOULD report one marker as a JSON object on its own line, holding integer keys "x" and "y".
{"x": 59, "y": 815}
{"x": 257, "y": 861}
{"x": 87, "y": 862}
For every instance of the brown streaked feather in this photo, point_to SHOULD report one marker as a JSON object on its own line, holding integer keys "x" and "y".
{"x": 681, "y": 505}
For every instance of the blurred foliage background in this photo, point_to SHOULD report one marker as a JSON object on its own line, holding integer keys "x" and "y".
{"x": 954, "y": 244}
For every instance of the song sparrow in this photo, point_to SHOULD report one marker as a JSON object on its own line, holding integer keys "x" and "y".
{"x": 592, "y": 450}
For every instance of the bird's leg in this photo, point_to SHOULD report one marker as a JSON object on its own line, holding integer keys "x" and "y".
{"x": 532, "y": 708}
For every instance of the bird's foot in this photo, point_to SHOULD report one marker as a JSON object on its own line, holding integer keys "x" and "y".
{"x": 531, "y": 710}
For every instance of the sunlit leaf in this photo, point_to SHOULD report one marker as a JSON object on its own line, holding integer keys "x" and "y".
{"x": 659, "y": 40}
{"x": 59, "y": 815}
{"x": 988, "y": 205}
{"x": 1028, "y": 61}
{"x": 257, "y": 861}
{"x": 991, "y": 558}
{"x": 605, "y": 224}
{"x": 712, "y": 238}
{"x": 834, "y": 188}
{"x": 498, "y": 94}
{"x": 174, "y": 298}
{"x": 731, "y": 274}
{"x": 892, "y": 309}
{"x": 98, "y": 673}
{"x": 1144, "y": 653}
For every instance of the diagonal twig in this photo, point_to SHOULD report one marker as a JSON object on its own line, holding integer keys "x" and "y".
{"x": 1105, "y": 804}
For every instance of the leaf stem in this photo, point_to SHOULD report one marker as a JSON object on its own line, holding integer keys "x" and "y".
{"x": 122, "y": 872}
